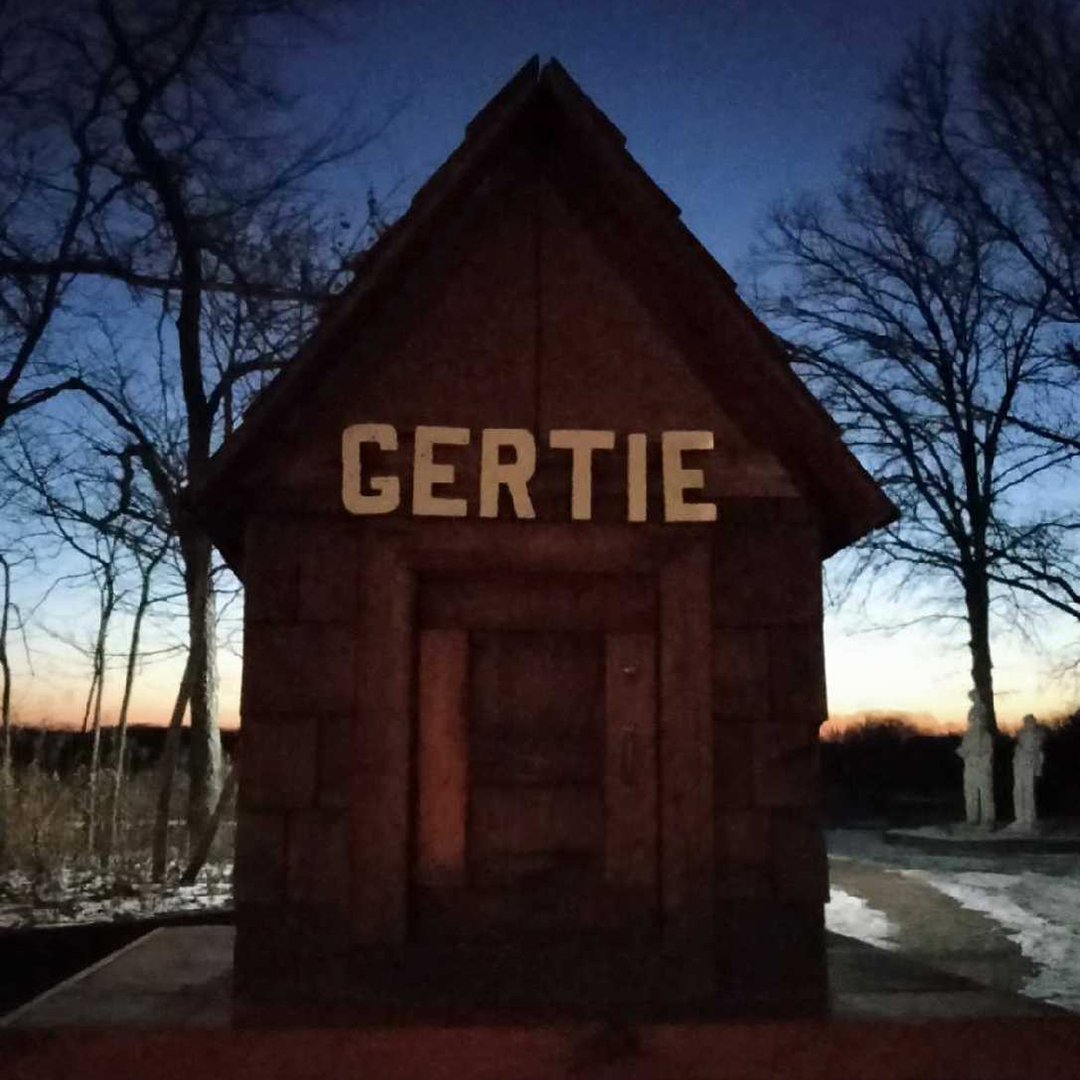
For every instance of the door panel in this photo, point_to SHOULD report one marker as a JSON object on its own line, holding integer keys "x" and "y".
{"x": 537, "y": 800}
{"x": 536, "y": 716}
{"x": 526, "y": 820}
{"x": 631, "y": 825}
{"x": 535, "y": 823}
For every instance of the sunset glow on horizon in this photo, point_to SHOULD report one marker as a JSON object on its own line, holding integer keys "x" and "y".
{"x": 868, "y": 679}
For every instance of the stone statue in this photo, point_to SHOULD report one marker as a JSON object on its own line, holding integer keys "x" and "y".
{"x": 1027, "y": 766}
{"x": 977, "y": 750}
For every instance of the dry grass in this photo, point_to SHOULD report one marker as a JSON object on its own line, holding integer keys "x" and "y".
{"x": 46, "y": 832}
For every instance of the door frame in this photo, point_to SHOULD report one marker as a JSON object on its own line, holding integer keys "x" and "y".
{"x": 393, "y": 556}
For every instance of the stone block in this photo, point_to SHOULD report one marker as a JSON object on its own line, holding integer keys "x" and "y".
{"x": 733, "y": 745}
{"x": 785, "y": 766}
{"x": 298, "y": 668}
{"x": 741, "y": 673}
{"x": 743, "y": 838}
{"x": 327, "y": 589}
{"x": 271, "y": 568}
{"x": 259, "y": 874}
{"x": 318, "y": 859}
{"x": 765, "y": 570}
{"x": 797, "y": 675}
{"x": 337, "y": 762}
{"x": 771, "y": 952}
{"x": 799, "y": 862}
{"x": 744, "y": 883}
{"x": 277, "y": 763}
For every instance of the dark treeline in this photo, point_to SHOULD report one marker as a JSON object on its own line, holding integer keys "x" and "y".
{"x": 63, "y": 751}
{"x": 889, "y": 771}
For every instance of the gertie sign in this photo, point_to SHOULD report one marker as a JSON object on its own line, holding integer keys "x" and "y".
{"x": 383, "y": 494}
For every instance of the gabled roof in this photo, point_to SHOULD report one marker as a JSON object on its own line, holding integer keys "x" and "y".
{"x": 758, "y": 386}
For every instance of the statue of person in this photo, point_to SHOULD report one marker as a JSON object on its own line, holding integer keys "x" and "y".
{"x": 977, "y": 750}
{"x": 1027, "y": 766}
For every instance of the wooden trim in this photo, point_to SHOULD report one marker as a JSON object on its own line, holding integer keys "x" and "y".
{"x": 535, "y": 547}
{"x": 630, "y": 782}
{"x": 442, "y": 758}
{"x": 686, "y": 767}
{"x": 382, "y": 744}
{"x": 554, "y": 602}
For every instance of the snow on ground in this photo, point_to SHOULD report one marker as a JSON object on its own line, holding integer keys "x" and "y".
{"x": 1039, "y": 911}
{"x": 1037, "y": 903}
{"x": 81, "y": 896}
{"x": 854, "y": 917}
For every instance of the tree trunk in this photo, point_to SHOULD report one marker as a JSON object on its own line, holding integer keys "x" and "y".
{"x": 121, "y": 724}
{"x": 7, "y": 777}
{"x": 202, "y": 848}
{"x": 95, "y": 746}
{"x": 977, "y": 599}
{"x": 89, "y": 700}
{"x": 204, "y": 756}
{"x": 168, "y": 774}
{"x": 5, "y": 672}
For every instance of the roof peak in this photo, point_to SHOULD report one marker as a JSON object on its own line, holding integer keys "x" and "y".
{"x": 547, "y": 97}
{"x": 525, "y": 84}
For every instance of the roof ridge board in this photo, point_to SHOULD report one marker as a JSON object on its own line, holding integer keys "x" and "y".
{"x": 562, "y": 85}
{"x": 491, "y": 121}
{"x": 582, "y": 112}
{"x": 524, "y": 79}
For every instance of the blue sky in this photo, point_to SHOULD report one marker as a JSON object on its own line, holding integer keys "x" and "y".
{"x": 728, "y": 106}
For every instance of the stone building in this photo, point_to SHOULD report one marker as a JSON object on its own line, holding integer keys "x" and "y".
{"x": 531, "y": 534}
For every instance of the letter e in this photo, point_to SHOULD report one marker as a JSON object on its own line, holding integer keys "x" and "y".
{"x": 678, "y": 479}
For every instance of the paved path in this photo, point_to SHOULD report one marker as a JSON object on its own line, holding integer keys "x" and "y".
{"x": 935, "y": 930}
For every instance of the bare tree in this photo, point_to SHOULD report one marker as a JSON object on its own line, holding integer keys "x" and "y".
{"x": 10, "y": 620}
{"x": 160, "y": 855}
{"x": 85, "y": 510}
{"x": 146, "y": 563}
{"x": 898, "y": 311}
{"x": 993, "y": 117}
{"x": 8, "y": 614}
{"x": 195, "y": 205}
{"x": 103, "y": 555}
{"x": 46, "y": 202}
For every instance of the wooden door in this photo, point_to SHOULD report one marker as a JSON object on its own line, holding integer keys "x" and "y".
{"x": 537, "y": 786}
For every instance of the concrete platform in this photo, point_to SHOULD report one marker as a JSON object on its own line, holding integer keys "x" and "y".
{"x": 162, "y": 1007}
{"x": 181, "y": 978}
{"x": 1057, "y": 838}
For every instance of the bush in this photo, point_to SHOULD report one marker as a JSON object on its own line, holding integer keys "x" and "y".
{"x": 46, "y": 835}
{"x": 1059, "y": 787}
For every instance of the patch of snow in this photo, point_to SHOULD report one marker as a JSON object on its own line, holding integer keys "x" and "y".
{"x": 1040, "y": 913}
{"x": 79, "y": 896}
{"x": 854, "y": 917}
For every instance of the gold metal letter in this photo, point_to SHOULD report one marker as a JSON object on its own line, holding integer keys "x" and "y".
{"x": 678, "y": 479}
{"x": 636, "y": 483}
{"x": 387, "y": 489}
{"x": 515, "y": 475}
{"x": 581, "y": 444}
{"x": 427, "y": 472}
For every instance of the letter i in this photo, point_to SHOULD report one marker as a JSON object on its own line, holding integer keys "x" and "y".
{"x": 636, "y": 484}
